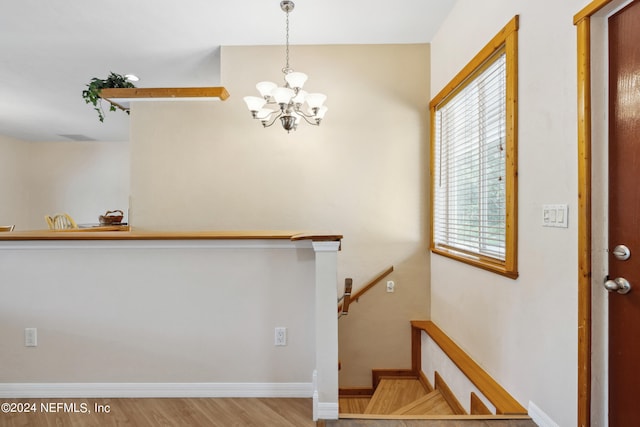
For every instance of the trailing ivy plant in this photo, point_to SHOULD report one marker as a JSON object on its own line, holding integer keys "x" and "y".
{"x": 91, "y": 95}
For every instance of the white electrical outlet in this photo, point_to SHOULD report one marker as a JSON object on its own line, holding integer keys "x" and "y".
{"x": 30, "y": 337}
{"x": 391, "y": 286}
{"x": 281, "y": 336}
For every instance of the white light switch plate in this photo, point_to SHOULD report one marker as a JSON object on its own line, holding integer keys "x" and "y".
{"x": 30, "y": 337}
{"x": 555, "y": 216}
{"x": 391, "y": 286}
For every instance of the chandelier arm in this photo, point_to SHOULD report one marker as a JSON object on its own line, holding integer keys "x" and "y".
{"x": 302, "y": 113}
{"x": 310, "y": 122}
{"x": 264, "y": 124}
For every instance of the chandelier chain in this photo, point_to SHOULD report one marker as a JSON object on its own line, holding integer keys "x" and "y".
{"x": 286, "y": 69}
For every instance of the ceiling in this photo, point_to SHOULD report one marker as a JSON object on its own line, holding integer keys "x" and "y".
{"x": 52, "y": 48}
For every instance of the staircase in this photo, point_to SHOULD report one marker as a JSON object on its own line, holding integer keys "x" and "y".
{"x": 392, "y": 394}
{"x": 409, "y": 401}
{"x": 405, "y": 397}
{"x": 432, "y": 403}
{"x": 397, "y": 396}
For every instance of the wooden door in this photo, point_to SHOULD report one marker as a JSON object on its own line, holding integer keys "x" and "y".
{"x": 624, "y": 216}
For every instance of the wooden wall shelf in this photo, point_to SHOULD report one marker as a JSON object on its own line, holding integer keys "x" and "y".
{"x": 122, "y": 97}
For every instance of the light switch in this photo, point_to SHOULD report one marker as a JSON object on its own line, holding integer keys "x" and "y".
{"x": 555, "y": 216}
{"x": 30, "y": 337}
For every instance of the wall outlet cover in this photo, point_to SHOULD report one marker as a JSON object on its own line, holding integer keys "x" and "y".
{"x": 30, "y": 337}
{"x": 280, "y": 336}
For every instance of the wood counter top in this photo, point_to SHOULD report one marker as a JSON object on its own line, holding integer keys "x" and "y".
{"x": 105, "y": 233}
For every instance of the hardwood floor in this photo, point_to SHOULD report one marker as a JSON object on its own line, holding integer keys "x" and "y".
{"x": 428, "y": 423}
{"x": 227, "y": 412}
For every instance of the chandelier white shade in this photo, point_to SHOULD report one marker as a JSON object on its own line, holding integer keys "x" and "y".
{"x": 290, "y": 103}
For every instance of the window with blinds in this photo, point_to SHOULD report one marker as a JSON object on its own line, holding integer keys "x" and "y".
{"x": 473, "y": 174}
{"x": 469, "y": 212}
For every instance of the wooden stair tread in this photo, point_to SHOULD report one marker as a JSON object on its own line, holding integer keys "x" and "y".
{"x": 393, "y": 394}
{"x": 431, "y": 404}
{"x": 353, "y": 404}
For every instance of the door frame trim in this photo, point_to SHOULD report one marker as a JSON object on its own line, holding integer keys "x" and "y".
{"x": 582, "y": 21}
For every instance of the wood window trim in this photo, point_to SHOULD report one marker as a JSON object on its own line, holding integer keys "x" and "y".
{"x": 483, "y": 262}
{"x": 507, "y": 39}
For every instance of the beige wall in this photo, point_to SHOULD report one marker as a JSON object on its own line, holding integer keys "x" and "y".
{"x": 524, "y": 331}
{"x": 13, "y": 155}
{"x": 84, "y": 179}
{"x": 363, "y": 173}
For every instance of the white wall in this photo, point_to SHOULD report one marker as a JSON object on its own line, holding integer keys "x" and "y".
{"x": 524, "y": 331}
{"x": 435, "y": 360}
{"x": 160, "y": 312}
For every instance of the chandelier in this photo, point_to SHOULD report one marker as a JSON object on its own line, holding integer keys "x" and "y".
{"x": 291, "y": 103}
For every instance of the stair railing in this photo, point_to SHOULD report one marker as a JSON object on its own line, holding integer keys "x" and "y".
{"x": 347, "y": 298}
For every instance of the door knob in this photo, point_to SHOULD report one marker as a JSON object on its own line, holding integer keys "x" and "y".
{"x": 619, "y": 284}
{"x": 621, "y": 252}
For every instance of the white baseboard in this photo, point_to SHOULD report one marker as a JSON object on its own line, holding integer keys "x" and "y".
{"x": 539, "y": 417}
{"x": 124, "y": 390}
{"x": 327, "y": 411}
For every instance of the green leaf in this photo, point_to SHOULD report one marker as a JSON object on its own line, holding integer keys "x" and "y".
{"x": 91, "y": 95}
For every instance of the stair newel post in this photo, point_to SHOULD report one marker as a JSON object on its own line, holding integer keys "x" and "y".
{"x": 325, "y": 393}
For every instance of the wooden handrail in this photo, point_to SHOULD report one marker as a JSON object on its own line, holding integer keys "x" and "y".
{"x": 372, "y": 283}
{"x": 368, "y": 286}
{"x": 505, "y": 404}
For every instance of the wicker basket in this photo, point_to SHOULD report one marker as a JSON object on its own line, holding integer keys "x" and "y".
{"x": 111, "y": 217}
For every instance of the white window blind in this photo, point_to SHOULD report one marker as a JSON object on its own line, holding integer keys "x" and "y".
{"x": 469, "y": 192}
